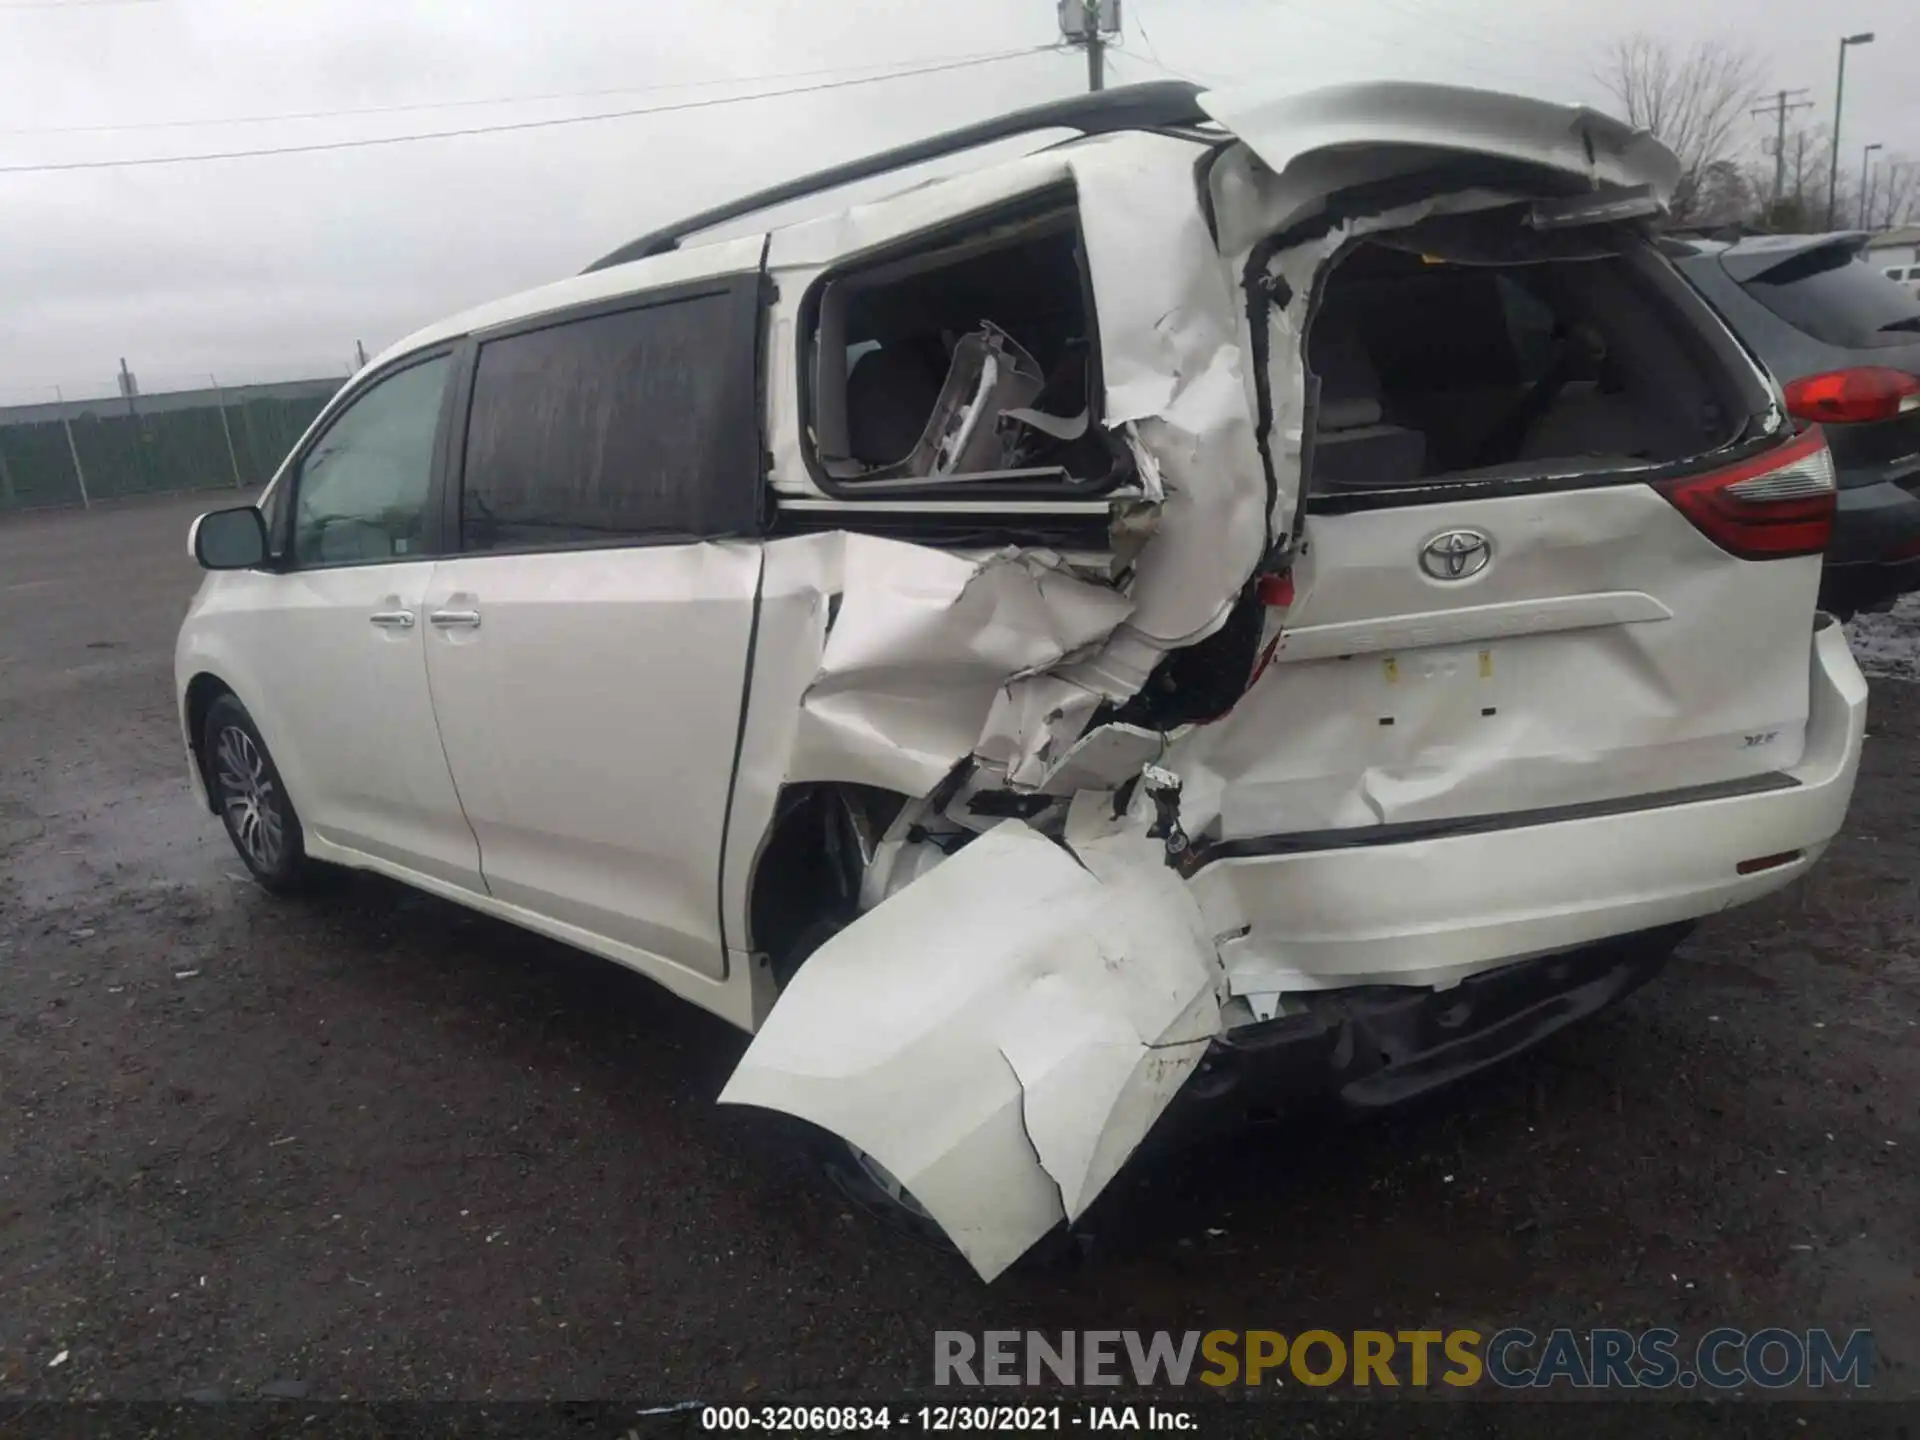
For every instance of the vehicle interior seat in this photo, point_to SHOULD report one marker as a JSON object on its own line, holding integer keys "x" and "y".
{"x": 890, "y": 393}
{"x": 1353, "y": 445}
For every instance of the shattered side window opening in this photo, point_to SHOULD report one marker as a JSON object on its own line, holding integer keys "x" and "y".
{"x": 973, "y": 361}
{"x": 1487, "y": 362}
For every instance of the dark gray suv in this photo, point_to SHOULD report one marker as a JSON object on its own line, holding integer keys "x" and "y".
{"x": 1844, "y": 342}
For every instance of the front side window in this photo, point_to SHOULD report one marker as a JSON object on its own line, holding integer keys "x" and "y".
{"x": 618, "y": 427}
{"x": 361, "y": 492}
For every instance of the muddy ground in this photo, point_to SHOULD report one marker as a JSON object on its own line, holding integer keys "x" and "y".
{"x": 376, "y": 1147}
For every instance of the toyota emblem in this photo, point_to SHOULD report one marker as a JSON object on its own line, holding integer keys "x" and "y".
{"x": 1456, "y": 554}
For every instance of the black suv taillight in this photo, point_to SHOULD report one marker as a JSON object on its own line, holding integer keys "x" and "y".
{"x": 1851, "y": 397}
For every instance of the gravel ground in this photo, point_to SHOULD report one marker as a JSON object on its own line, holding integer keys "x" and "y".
{"x": 1888, "y": 646}
{"x": 377, "y": 1147}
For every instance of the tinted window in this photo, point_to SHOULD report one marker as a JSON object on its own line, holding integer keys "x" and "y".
{"x": 630, "y": 424}
{"x": 361, "y": 491}
{"x": 1827, "y": 294}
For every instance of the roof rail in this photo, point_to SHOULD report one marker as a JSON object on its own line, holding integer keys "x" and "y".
{"x": 1155, "y": 105}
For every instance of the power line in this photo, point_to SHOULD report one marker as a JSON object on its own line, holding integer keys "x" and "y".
{"x": 503, "y": 127}
{"x": 1431, "y": 34}
{"x": 1489, "y": 36}
{"x": 472, "y": 103}
{"x": 1153, "y": 51}
{"x": 1134, "y": 57}
{"x": 1140, "y": 24}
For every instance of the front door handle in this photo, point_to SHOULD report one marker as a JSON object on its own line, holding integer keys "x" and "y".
{"x": 393, "y": 619}
{"x": 456, "y": 619}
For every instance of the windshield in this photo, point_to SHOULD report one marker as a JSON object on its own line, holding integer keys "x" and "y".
{"x": 1825, "y": 293}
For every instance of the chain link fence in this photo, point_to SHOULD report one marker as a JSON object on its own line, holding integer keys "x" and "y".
{"x": 80, "y": 452}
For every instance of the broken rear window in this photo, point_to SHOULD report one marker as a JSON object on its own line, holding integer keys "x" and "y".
{"x": 969, "y": 361}
{"x": 1439, "y": 367}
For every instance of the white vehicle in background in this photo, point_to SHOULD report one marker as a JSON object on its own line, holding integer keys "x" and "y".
{"x": 1269, "y": 596}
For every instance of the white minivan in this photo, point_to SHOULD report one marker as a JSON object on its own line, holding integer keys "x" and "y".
{"x": 1266, "y": 596}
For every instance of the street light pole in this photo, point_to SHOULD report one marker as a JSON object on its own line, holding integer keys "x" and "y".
{"x": 1866, "y": 181}
{"x": 1839, "y": 97}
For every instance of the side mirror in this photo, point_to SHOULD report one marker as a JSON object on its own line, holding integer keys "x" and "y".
{"x": 233, "y": 539}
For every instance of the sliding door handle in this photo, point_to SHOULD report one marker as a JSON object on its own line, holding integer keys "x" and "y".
{"x": 456, "y": 619}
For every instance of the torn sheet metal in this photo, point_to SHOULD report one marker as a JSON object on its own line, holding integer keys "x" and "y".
{"x": 1368, "y": 129}
{"x": 881, "y": 663}
{"x": 920, "y": 649}
{"x": 1002, "y": 1033}
{"x": 1175, "y": 382}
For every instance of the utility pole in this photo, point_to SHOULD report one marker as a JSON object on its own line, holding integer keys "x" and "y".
{"x": 1865, "y": 37}
{"x": 1778, "y": 110}
{"x": 1094, "y": 24}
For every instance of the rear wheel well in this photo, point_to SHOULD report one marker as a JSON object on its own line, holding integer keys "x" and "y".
{"x": 809, "y": 869}
{"x": 202, "y": 691}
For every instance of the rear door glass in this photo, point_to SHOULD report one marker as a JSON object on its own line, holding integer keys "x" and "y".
{"x": 616, "y": 427}
{"x": 1829, "y": 295}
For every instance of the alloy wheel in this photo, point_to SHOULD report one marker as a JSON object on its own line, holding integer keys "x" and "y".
{"x": 249, "y": 798}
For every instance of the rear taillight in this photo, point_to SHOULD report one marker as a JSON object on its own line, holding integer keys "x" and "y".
{"x": 1275, "y": 591}
{"x": 1848, "y": 397}
{"x": 1771, "y": 507}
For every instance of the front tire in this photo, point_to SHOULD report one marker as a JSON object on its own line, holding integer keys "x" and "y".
{"x": 247, "y": 790}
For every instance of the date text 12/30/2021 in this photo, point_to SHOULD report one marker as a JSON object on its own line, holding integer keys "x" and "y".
{"x": 938, "y": 1419}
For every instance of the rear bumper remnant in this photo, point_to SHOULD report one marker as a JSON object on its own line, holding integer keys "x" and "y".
{"x": 1377, "y": 1046}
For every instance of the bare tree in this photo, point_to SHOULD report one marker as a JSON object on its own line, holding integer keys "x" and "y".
{"x": 1695, "y": 100}
{"x": 1897, "y": 196}
{"x": 1724, "y": 194}
{"x": 1803, "y": 192}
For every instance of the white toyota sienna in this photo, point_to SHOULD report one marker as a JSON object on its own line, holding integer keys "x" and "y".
{"x": 1262, "y": 596}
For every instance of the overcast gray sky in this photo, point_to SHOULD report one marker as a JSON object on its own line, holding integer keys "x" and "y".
{"x": 272, "y": 267}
